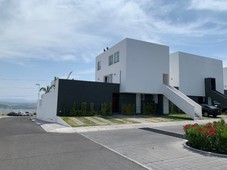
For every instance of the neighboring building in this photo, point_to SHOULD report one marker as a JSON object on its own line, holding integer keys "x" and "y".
{"x": 141, "y": 74}
{"x": 225, "y": 79}
{"x": 188, "y": 73}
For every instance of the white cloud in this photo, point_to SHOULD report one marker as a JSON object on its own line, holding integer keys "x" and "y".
{"x": 213, "y": 5}
{"x": 77, "y": 30}
{"x": 68, "y": 57}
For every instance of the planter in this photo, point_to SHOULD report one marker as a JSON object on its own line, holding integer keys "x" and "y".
{"x": 210, "y": 137}
{"x": 204, "y": 152}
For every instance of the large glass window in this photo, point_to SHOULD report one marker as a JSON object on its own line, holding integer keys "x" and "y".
{"x": 99, "y": 65}
{"x": 110, "y": 60}
{"x": 116, "y": 57}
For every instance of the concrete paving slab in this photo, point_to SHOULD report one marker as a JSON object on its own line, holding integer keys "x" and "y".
{"x": 104, "y": 120}
{"x": 95, "y": 121}
{"x": 139, "y": 120}
{"x": 77, "y": 121}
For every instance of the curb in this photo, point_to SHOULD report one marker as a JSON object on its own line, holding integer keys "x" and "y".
{"x": 206, "y": 153}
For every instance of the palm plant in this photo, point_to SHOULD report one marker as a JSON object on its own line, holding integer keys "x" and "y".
{"x": 46, "y": 89}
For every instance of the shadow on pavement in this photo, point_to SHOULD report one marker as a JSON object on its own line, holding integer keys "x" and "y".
{"x": 164, "y": 132}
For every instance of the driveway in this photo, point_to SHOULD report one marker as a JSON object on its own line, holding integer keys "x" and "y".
{"x": 158, "y": 148}
{"x": 25, "y": 146}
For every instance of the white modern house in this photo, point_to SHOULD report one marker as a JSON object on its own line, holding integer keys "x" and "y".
{"x": 137, "y": 66}
{"x": 142, "y": 69}
{"x": 139, "y": 73}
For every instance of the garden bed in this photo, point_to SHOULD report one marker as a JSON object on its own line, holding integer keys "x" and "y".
{"x": 211, "y": 137}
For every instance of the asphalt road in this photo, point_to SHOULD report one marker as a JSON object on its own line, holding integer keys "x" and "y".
{"x": 25, "y": 146}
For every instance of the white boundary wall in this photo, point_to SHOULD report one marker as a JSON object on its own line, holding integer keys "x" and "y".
{"x": 47, "y": 105}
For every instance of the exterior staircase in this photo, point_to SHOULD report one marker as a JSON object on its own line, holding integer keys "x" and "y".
{"x": 186, "y": 104}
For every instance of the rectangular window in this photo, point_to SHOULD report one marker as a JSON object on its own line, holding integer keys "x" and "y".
{"x": 116, "y": 57}
{"x": 110, "y": 60}
{"x": 99, "y": 65}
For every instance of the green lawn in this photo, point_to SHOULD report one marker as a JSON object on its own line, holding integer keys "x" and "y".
{"x": 122, "y": 119}
{"x": 130, "y": 119}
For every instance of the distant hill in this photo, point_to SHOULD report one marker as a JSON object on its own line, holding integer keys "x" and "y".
{"x": 7, "y": 105}
{"x": 3, "y": 106}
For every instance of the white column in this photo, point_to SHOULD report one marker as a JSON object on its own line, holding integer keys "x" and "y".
{"x": 165, "y": 105}
{"x": 138, "y": 103}
{"x": 155, "y": 98}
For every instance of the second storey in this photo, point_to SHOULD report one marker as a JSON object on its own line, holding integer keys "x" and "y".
{"x": 137, "y": 66}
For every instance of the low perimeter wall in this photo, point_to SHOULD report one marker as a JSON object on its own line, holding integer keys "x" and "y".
{"x": 47, "y": 107}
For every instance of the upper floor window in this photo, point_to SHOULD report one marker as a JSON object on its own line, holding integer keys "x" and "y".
{"x": 116, "y": 57}
{"x": 99, "y": 65}
{"x": 110, "y": 60}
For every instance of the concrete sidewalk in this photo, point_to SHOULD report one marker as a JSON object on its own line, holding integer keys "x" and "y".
{"x": 57, "y": 128}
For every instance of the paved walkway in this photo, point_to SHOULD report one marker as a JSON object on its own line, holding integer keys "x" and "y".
{"x": 145, "y": 144}
{"x": 53, "y": 127}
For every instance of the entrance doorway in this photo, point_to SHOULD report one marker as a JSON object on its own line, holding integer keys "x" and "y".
{"x": 115, "y": 103}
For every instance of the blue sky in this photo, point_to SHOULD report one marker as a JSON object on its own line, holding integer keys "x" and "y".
{"x": 43, "y": 39}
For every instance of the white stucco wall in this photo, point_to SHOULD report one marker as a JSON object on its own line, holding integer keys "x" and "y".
{"x": 47, "y": 105}
{"x": 117, "y": 69}
{"x": 193, "y": 69}
{"x": 145, "y": 65}
{"x": 174, "y": 70}
{"x": 141, "y": 66}
{"x": 225, "y": 77}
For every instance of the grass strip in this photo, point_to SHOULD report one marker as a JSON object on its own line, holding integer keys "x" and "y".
{"x": 69, "y": 121}
{"x": 86, "y": 121}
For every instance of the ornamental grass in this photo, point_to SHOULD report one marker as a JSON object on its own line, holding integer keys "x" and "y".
{"x": 210, "y": 137}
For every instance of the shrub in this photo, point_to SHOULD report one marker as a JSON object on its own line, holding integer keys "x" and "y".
{"x": 149, "y": 108}
{"x": 73, "y": 111}
{"x": 128, "y": 109}
{"x": 83, "y": 108}
{"x": 106, "y": 109}
{"x": 92, "y": 109}
{"x": 174, "y": 109}
{"x": 210, "y": 137}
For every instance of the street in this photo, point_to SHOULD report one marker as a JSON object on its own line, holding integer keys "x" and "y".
{"x": 25, "y": 146}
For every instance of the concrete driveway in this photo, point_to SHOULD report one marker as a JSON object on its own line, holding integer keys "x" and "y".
{"x": 25, "y": 146}
{"x": 158, "y": 148}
